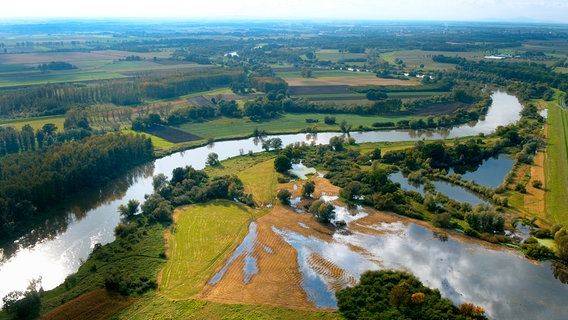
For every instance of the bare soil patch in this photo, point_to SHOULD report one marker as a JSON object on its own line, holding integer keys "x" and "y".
{"x": 95, "y": 305}
{"x": 172, "y": 135}
{"x": 304, "y": 90}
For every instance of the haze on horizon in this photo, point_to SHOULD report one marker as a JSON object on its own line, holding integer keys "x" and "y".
{"x": 554, "y": 11}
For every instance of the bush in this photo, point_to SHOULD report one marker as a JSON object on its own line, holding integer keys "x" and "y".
{"x": 537, "y": 184}
{"x": 284, "y": 196}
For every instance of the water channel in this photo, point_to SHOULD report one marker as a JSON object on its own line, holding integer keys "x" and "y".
{"x": 57, "y": 248}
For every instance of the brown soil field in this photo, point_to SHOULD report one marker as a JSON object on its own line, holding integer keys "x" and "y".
{"x": 95, "y": 305}
{"x": 303, "y": 90}
{"x": 172, "y": 135}
{"x": 349, "y": 81}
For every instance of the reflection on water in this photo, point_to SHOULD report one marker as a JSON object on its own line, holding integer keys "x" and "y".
{"x": 54, "y": 249}
{"x": 506, "y": 284}
{"x": 491, "y": 172}
{"x": 245, "y": 249}
{"x": 301, "y": 171}
{"x": 453, "y": 191}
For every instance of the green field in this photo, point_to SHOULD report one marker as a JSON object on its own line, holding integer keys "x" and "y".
{"x": 334, "y": 55}
{"x": 556, "y": 165}
{"x": 290, "y": 122}
{"x": 36, "y": 122}
{"x": 414, "y": 58}
{"x": 260, "y": 180}
{"x": 157, "y": 307}
{"x": 203, "y": 236}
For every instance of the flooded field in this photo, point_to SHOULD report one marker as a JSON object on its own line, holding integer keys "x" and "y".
{"x": 290, "y": 259}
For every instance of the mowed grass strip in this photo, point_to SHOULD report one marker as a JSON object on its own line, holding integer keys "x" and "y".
{"x": 95, "y": 305}
{"x": 158, "y": 307}
{"x": 556, "y": 165}
{"x": 202, "y": 237}
{"x": 260, "y": 180}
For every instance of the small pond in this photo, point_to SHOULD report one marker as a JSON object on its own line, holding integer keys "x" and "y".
{"x": 453, "y": 191}
{"x": 491, "y": 172}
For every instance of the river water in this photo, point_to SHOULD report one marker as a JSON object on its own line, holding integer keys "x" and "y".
{"x": 56, "y": 249}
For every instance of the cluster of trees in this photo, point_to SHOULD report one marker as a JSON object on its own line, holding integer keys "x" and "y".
{"x": 446, "y": 59}
{"x": 32, "y": 181}
{"x": 169, "y": 85}
{"x": 14, "y": 141}
{"x": 484, "y": 218}
{"x": 188, "y": 185}
{"x": 56, "y": 65}
{"x": 528, "y": 80}
{"x": 398, "y": 295}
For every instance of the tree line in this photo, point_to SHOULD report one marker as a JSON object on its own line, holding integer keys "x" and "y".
{"x": 50, "y": 99}
{"x": 34, "y": 181}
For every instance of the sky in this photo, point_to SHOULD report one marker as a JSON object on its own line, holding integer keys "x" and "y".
{"x": 448, "y": 10}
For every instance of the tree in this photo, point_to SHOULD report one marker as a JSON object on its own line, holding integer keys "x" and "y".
{"x": 561, "y": 239}
{"x": 324, "y": 212}
{"x": 24, "y": 305}
{"x": 284, "y": 196}
{"x": 308, "y": 189}
{"x": 159, "y": 182}
{"x": 336, "y": 143}
{"x": 345, "y": 128}
{"x": 212, "y": 159}
{"x": 351, "y": 191}
{"x": 276, "y": 143}
{"x": 130, "y": 209}
{"x": 282, "y": 163}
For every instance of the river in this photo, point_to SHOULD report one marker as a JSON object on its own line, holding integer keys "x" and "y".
{"x": 57, "y": 248}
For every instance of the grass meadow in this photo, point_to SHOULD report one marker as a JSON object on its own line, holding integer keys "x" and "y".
{"x": 155, "y": 306}
{"x": 290, "y": 122}
{"x": 556, "y": 165}
{"x": 203, "y": 236}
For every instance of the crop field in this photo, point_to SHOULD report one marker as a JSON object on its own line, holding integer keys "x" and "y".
{"x": 21, "y": 69}
{"x": 414, "y": 58}
{"x": 202, "y": 238}
{"x": 556, "y": 165}
{"x": 334, "y": 55}
{"x": 340, "y": 78}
